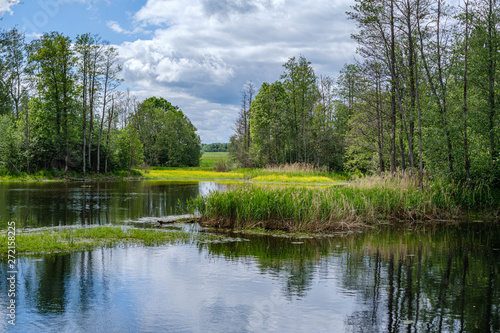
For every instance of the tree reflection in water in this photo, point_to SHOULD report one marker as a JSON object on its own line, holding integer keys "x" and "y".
{"x": 431, "y": 279}
{"x": 440, "y": 278}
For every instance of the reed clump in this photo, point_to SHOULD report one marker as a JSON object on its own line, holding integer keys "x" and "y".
{"x": 365, "y": 201}
{"x": 291, "y": 179}
{"x": 296, "y": 167}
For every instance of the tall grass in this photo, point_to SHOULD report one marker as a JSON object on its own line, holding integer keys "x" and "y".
{"x": 209, "y": 160}
{"x": 365, "y": 201}
{"x": 291, "y": 179}
{"x": 296, "y": 167}
{"x": 294, "y": 170}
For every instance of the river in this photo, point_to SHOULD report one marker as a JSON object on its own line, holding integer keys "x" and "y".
{"x": 442, "y": 278}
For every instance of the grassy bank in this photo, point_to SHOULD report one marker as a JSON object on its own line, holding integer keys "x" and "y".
{"x": 369, "y": 200}
{"x": 57, "y": 175}
{"x": 299, "y": 173}
{"x": 67, "y": 240}
{"x": 213, "y": 166}
{"x": 181, "y": 173}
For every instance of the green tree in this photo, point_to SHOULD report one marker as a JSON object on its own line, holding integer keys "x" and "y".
{"x": 168, "y": 136}
{"x": 129, "y": 149}
{"x": 15, "y": 80}
{"x": 10, "y": 144}
{"x": 269, "y": 123}
{"x": 241, "y": 140}
{"x": 55, "y": 81}
{"x": 300, "y": 82}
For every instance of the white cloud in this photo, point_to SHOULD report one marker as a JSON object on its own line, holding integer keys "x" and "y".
{"x": 6, "y": 4}
{"x": 115, "y": 26}
{"x": 207, "y": 50}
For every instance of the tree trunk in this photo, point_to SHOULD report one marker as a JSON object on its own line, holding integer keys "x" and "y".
{"x": 108, "y": 138}
{"x": 27, "y": 141}
{"x": 84, "y": 157}
{"x": 464, "y": 109}
{"x": 411, "y": 68}
{"x": 420, "y": 164}
{"x": 492, "y": 54}
{"x": 102, "y": 118}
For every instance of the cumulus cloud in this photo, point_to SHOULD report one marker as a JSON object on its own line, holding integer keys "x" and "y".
{"x": 6, "y": 4}
{"x": 208, "y": 49}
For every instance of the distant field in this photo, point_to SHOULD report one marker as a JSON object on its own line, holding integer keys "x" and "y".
{"x": 208, "y": 159}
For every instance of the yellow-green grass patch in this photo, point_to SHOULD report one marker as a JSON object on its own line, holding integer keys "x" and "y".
{"x": 191, "y": 174}
{"x": 292, "y": 179}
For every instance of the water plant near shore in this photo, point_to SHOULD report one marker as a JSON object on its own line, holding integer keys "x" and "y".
{"x": 365, "y": 201}
{"x": 67, "y": 240}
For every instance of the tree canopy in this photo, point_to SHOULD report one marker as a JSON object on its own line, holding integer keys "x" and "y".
{"x": 60, "y": 108}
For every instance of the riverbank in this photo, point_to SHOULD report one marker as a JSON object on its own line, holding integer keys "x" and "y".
{"x": 294, "y": 174}
{"x": 60, "y": 176}
{"x": 363, "y": 202}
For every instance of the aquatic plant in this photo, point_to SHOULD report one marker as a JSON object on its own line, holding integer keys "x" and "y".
{"x": 368, "y": 200}
{"x": 66, "y": 240}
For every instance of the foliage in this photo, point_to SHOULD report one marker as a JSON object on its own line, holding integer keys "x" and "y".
{"x": 61, "y": 111}
{"x": 215, "y": 147}
{"x": 168, "y": 136}
{"x": 129, "y": 151}
{"x": 290, "y": 121}
{"x": 426, "y": 89}
{"x": 222, "y": 165}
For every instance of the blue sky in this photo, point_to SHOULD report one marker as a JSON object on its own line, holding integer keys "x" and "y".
{"x": 198, "y": 54}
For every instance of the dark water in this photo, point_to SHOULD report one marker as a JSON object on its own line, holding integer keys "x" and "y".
{"x": 418, "y": 279}
{"x": 56, "y": 204}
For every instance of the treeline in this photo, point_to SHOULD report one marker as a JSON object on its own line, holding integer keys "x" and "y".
{"x": 426, "y": 93}
{"x": 289, "y": 121}
{"x": 424, "y": 96}
{"x": 216, "y": 147}
{"x": 60, "y": 109}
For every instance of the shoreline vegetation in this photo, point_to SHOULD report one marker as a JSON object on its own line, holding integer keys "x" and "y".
{"x": 209, "y": 169}
{"x": 303, "y": 198}
{"x": 66, "y": 240}
{"x": 364, "y": 202}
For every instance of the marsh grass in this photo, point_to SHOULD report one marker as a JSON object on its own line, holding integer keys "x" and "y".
{"x": 209, "y": 160}
{"x": 290, "y": 173}
{"x": 292, "y": 179}
{"x": 293, "y": 172}
{"x": 67, "y": 240}
{"x": 368, "y": 200}
{"x": 191, "y": 174}
{"x": 296, "y": 167}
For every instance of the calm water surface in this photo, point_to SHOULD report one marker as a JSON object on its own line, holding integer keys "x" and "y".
{"x": 419, "y": 279}
{"x": 75, "y": 203}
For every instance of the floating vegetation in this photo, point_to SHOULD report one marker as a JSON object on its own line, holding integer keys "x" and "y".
{"x": 67, "y": 240}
